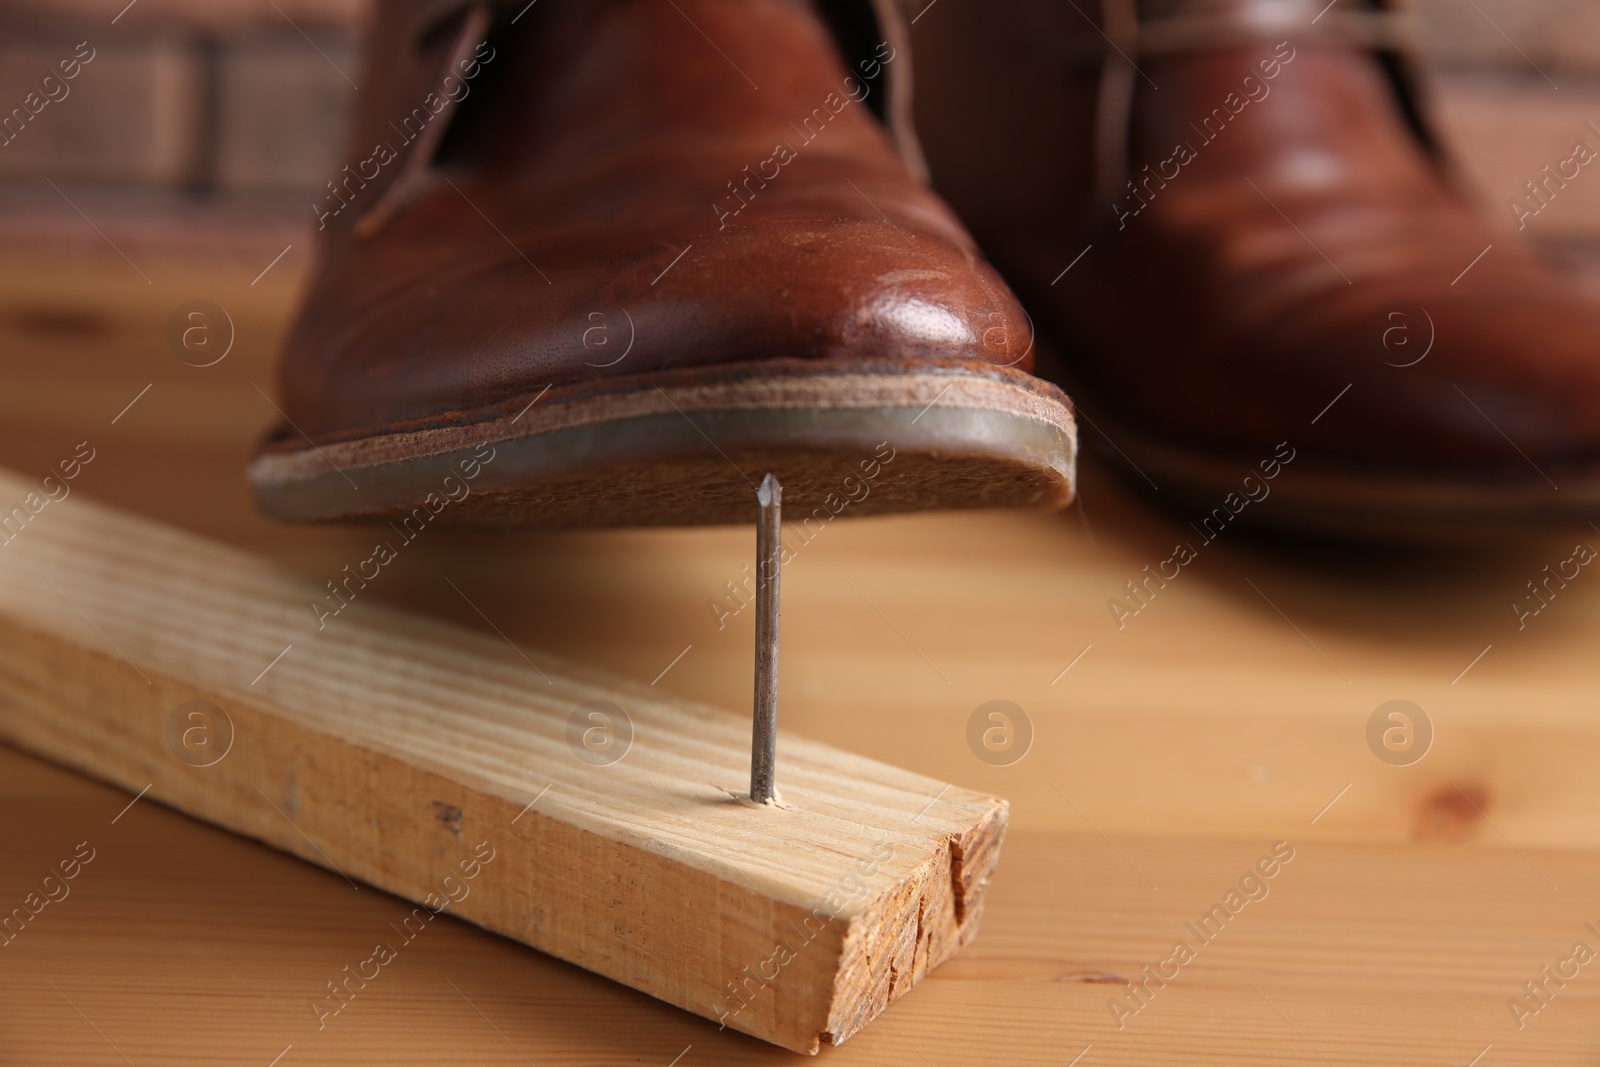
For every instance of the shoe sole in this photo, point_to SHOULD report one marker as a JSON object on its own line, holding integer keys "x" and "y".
{"x": 1315, "y": 505}
{"x": 688, "y": 448}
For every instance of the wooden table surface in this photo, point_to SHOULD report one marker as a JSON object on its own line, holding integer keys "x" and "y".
{"x": 1229, "y": 715}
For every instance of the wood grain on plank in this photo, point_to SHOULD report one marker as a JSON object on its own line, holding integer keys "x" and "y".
{"x": 453, "y": 769}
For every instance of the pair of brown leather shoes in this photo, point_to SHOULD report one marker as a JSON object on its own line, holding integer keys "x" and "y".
{"x": 610, "y": 261}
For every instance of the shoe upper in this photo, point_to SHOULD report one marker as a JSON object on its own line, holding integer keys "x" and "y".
{"x": 584, "y": 191}
{"x": 1266, "y": 226}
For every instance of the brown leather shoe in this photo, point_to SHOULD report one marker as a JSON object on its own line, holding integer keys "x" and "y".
{"x": 608, "y": 262}
{"x": 1230, "y": 218}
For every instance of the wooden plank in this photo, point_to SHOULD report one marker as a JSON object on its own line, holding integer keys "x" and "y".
{"x": 460, "y": 771}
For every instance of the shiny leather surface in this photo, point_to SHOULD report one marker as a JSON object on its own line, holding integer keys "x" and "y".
{"x": 1312, "y": 242}
{"x": 613, "y": 166}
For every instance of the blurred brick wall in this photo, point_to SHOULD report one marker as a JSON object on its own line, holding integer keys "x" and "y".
{"x": 250, "y": 97}
{"x": 1518, "y": 83}
{"x": 239, "y": 96}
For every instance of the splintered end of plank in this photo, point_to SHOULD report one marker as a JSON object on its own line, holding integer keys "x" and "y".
{"x": 401, "y": 752}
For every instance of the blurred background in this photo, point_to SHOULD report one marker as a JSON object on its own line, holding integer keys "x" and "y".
{"x": 208, "y": 126}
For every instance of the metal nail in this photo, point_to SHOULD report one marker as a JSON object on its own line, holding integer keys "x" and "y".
{"x": 769, "y": 547}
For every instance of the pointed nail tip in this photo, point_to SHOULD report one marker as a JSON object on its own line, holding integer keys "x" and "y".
{"x": 768, "y": 491}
